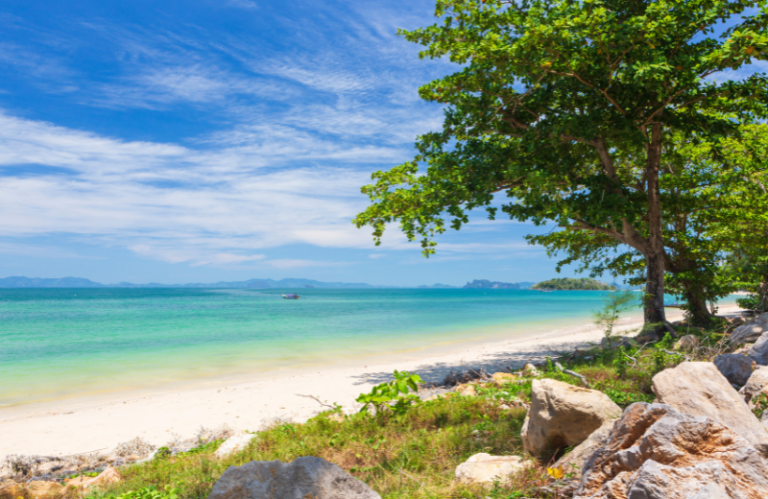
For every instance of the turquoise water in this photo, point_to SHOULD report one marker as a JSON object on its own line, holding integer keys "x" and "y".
{"x": 65, "y": 342}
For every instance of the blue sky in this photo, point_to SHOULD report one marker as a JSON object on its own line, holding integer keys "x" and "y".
{"x": 206, "y": 140}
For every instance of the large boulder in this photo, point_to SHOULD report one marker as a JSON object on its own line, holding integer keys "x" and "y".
{"x": 756, "y": 382}
{"x": 759, "y": 351}
{"x": 656, "y": 452}
{"x": 563, "y": 415}
{"x": 699, "y": 389}
{"x": 736, "y": 368}
{"x": 235, "y": 443}
{"x": 573, "y": 462}
{"x": 41, "y": 488}
{"x": 751, "y": 331}
{"x": 304, "y": 477}
{"x": 485, "y": 468}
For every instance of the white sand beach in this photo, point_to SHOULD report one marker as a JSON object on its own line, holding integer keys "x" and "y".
{"x": 76, "y": 426}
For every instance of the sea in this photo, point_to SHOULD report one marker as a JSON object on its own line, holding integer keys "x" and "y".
{"x": 58, "y": 343}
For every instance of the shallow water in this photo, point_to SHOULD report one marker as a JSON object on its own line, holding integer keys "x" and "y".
{"x": 63, "y": 342}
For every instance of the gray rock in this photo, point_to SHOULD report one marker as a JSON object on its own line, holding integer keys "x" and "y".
{"x": 757, "y": 381}
{"x": 563, "y": 415}
{"x": 305, "y": 477}
{"x": 736, "y": 368}
{"x": 759, "y": 351}
{"x": 699, "y": 389}
{"x": 751, "y": 331}
{"x": 485, "y": 468}
{"x": 573, "y": 462}
{"x": 656, "y": 452}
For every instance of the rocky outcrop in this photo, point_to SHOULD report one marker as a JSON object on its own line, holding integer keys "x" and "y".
{"x": 485, "y": 468}
{"x": 736, "y": 368}
{"x": 500, "y": 378}
{"x": 698, "y": 388}
{"x": 757, "y": 381}
{"x": 563, "y": 415}
{"x": 43, "y": 489}
{"x": 759, "y": 351}
{"x": 305, "y": 477}
{"x": 573, "y": 462}
{"x": 106, "y": 477}
{"x": 687, "y": 343}
{"x": 656, "y": 452}
{"x": 751, "y": 331}
{"x": 235, "y": 443}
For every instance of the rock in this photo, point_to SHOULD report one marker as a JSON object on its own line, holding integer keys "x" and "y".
{"x": 485, "y": 468}
{"x": 466, "y": 390}
{"x": 504, "y": 407}
{"x": 615, "y": 342}
{"x": 563, "y": 415}
{"x": 656, "y": 452}
{"x": 759, "y": 351}
{"x": 500, "y": 378}
{"x": 44, "y": 489}
{"x": 235, "y": 443}
{"x": 530, "y": 370}
{"x": 736, "y": 368}
{"x": 573, "y": 462}
{"x": 750, "y": 331}
{"x": 757, "y": 381}
{"x": 305, "y": 477}
{"x": 106, "y": 477}
{"x": 687, "y": 343}
{"x": 11, "y": 490}
{"x": 699, "y": 389}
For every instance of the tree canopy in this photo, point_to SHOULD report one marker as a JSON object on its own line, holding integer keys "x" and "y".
{"x": 573, "y": 110}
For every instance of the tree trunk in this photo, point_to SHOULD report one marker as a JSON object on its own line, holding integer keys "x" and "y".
{"x": 697, "y": 314}
{"x": 654, "y": 256}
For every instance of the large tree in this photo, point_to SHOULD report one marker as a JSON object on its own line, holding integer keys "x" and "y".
{"x": 567, "y": 107}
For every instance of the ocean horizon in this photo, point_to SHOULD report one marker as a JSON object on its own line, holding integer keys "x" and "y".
{"x": 58, "y": 343}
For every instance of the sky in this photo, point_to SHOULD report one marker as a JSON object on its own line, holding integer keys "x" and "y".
{"x": 207, "y": 140}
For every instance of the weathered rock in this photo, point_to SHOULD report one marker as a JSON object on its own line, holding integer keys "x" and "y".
{"x": 466, "y": 390}
{"x": 750, "y": 331}
{"x": 736, "y": 368}
{"x": 305, "y": 477}
{"x": 10, "y": 490}
{"x": 656, "y": 452}
{"x": 106, "y": 477}
{"x": 615, "y": 342}
{"x": 573, "y": 462}
{"x": 530, "y": 370}
{"x": 485, "y": 468}
{"x": 235, "y": 443}
{"x": 759, "y": 351}
{"x": 44, "y": 489}
{"x": 563, "y": 415}
{"x": 687, "y": 343}
{"x": 757, "y": 381}
{"x": 500, "y": 378}
{"x": 699, "y": 389}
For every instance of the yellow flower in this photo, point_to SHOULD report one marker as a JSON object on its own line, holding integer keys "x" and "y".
{"x": 556, "y": 473}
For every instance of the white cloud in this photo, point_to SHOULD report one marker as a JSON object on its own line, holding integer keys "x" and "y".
{"x": 294, "y": 264}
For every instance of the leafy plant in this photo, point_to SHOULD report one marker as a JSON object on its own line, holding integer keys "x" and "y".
{"x": 395, "y": 395}
{"x": 624, "y": 398}
{"x": 150, "y": 492}
{"x": 614, "y": 305}
{"x": 761, "y": 405}
{"x": 621, "y": 362}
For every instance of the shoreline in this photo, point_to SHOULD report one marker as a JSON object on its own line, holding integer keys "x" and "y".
{"x": 248, "y": 402}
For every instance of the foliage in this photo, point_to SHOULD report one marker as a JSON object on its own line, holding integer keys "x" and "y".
{"x": 761, "y": 405}
{"x": 578, "y": 112}
{"x": 614, "y": 305}
{"x": 150, "y": 492}
{"x": 394, "y": 396}
{"x": 570, "y": 284}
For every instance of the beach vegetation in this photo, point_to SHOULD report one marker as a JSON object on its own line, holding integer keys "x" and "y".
{"x": 573, "y": 284}
{"x": 614, "y": 304}
{"x": 394, "y": 396}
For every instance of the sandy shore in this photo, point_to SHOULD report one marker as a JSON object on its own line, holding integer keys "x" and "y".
{"x": 75, "y": 426}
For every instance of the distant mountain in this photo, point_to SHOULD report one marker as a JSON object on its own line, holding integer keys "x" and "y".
{"x": 37, "y": 282}
{"x": 78, "y": 282}
{"x": 569, "y": 284}
{"x": 438, "y": 286}
{"x": 486, "y": 284}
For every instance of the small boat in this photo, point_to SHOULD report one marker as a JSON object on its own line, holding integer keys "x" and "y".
{"x": 290, "y": 296}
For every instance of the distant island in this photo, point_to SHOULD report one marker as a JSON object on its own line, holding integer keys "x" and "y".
{"x": 79, "y": 282}
{"x": 571, "y": 284}
{"x": 486, "y": 284}
{"x": 438, "y": 286}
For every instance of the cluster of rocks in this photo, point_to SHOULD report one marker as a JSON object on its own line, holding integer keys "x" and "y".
{"x": 45, "y": 476}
